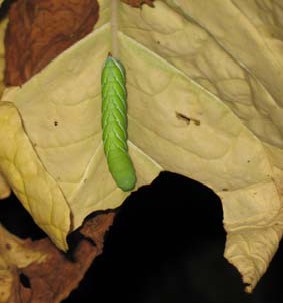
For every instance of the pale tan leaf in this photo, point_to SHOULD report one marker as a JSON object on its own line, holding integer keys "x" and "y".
{"x": 204, "y": 100}
{"x": 25, "y": 173}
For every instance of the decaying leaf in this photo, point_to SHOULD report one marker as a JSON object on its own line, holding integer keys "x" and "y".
{"x": 51, "y": 275}
{"x": 15, "y": 254}
{"x": 219, "y": 66}
{"x": 41, "y": 30}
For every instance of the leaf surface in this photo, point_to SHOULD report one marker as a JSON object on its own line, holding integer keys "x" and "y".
{"x": 204, "y": 101}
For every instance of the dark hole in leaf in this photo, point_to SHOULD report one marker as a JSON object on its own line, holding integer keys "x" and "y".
{"x": 24, "y": 279}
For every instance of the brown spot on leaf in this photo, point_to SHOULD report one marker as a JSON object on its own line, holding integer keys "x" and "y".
{"x": 139, "y": 3}
{"x": 8, "y": 246}
{"x": 187, "y": 119}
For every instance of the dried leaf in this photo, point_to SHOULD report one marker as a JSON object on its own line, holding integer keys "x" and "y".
{"x": 51, "y": 275}
{"x": 14, "y": 255}
{"x": 29, "y": 179}
{"x": 205, "y": 101}
{"x": 40, "y": 30}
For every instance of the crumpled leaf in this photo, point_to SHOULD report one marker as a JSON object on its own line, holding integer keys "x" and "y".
{"x": 244, "y": 71}
{"x": 50, "y": 275}
{"x": 204, "y": 99}
{"x": 14, "y": 255}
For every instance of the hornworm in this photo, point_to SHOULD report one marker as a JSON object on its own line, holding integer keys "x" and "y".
{"x": 114, "y": 123}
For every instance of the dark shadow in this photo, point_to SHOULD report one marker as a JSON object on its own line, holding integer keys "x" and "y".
{"x": 166, "y": 245}
{"x": 17, "y": 220}
{"x": 269, "y": 288}
{"x": 4, "y": 9}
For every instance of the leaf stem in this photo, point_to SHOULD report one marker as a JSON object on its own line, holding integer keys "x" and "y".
{"x": 114, "y": 28}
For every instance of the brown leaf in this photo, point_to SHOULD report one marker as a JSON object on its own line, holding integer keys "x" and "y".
{"x": 52, "y": 279}
{"x": 40, "y": 30}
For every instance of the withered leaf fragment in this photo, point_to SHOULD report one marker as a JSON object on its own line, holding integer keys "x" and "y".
{"x": 40, "y": 30}
{"x": 50, "y": 275}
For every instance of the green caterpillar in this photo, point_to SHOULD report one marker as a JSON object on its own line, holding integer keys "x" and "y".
{"x": 114, "y": 124}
